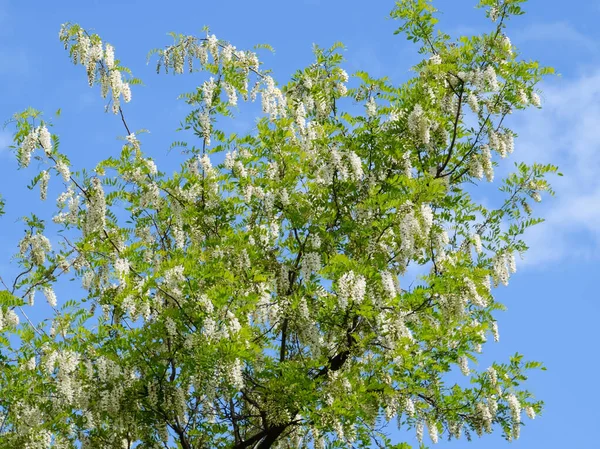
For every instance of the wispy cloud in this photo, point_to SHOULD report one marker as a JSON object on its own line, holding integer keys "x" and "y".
{"x": 567, "y": 132}
{"x": 562, "y": 31}
{"x": 5, "y": 141}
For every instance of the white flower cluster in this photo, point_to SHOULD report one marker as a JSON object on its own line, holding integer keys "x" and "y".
{"x": 419, "y": 125}
{"x": 8, "y": 319}
{"x": 489, "y": 75}
{"x": 39, "y": 246}
{"x": 433, "y": 431}
{"x": 45, "y": 140}
{"x": 530, "y": 412}
{"x": 504, "y": 264}
{"x": 474, "y": 296}
{"x": 495, "y": 331}
{"x": 435, "y": 59}
{"x": 71, "y": 200}
{"x": 311, "y": 263}
{"x": 231, "y": 94}
{"x": 515, "y": 410}
{"x": 95, "y": 219}
{"x": 174, "y": 277}
{"x": 121, "y": 269}
{"x": 63, "y": 169}
{"x": 389, "y": 283}
{"x": 481, "y": 164}
{"x": 236, "y": 375}
{"x": 208, "y": 91}
{"x": 502, "y": 143}
{"x": 486, "y": 417}
{"x": 493, "y": 375}
{"x": 419, "y": 428}
{"x": 473, "y": 102}
{"x": 30, "y": 364}
{"x": 88, "y": 51}
{"x": 371, "y": 107}
{"x": 476, "y": 239}
{"x": 273, "y": 100}
{"x": 345, "y": 166}
{"x": 37, "y": 138}
{"x": 50, "y": 295}
{"x": 350, "y": 287}
{"x": 463, "y": 364}
{"x": 411, "y": 228}
{"x": 45, "y": 177}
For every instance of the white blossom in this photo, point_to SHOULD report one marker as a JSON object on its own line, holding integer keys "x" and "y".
{"x": 356, "y": 166}
{"x": 522, "y": 97}
{"x": 95, "y": 219}
{"x": 236, "y": 375}
{"x": 485, "y": 415}
{"x": 473, "y": 294}
{"x": 493, "y": 375}
{"x": 419, "y": 430}
{"x": 507, "y": 44}
{"x": 44, "y": 184}
{"x": 63, "y": 169}
{"x": 512, "y": 263}
{"x": 45, "y": 140}
{"x": 530, "y": 412}
{"x": 495, "y": 331}
{"x": 419, "y": 124}
{"x": 409, "y": 407}
{"x": 488, "y": 168}
{"x": 427, "y": 216}
{"x": 351, "y": 288}
{"x": 126, "y": 91}
{"x": 389, "y": 285}
{"x": 515, "y": 409}
{"x": 231, "y": 94}
{"x": 473, "y": 102}
{"x": 121, "y": 268}
{"x": 311, "y": 263}
{"x": 476, "y": 238}
{"x": 490, "y": 77}
{"x": 301, "y": 116}
{"x": 87, "y": 279}
{"x": 28, "y": 146}
{"x": 435, "y": 59}
{"x": 463, "y": 363}
{"x": 433, "y": 431}
{"x": 500, "y": 269}
{"x": 208, "y": 90}
{"x": 109, "y": 56}
{"x": 11, "y": 319}
{"x": 371, "y": 107}
{"x": 30, "y": 364}
{"x": 50, "y": 295}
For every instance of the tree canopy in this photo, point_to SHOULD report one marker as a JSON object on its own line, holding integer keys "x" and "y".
{"x": 309, "y": 284}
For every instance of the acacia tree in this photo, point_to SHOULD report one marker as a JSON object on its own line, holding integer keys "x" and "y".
{"x": 259, "y": 296}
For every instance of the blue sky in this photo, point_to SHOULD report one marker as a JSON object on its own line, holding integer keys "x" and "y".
{"x": 552, "y": 310}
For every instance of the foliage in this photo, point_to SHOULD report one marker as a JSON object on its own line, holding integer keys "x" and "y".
{"x": 260, "y": 296}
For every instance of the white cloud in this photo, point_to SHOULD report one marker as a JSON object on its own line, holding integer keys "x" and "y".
{"x": 555, "y": 31}
{"x": 5, "y": 141}
{"x": 566, "y": 132}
